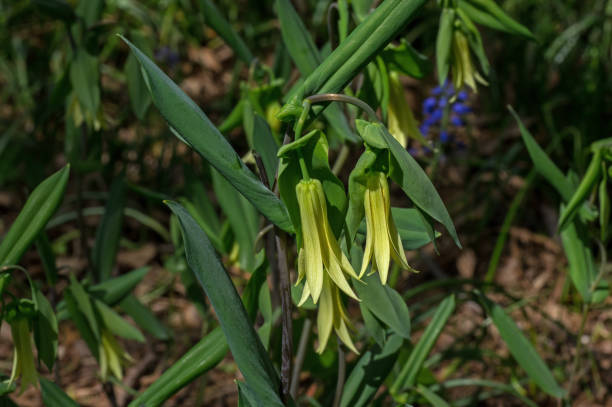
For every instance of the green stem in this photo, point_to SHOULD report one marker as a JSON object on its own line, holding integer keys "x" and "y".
{"x": 338, "y": 97}
{"x": 298, "y": 133}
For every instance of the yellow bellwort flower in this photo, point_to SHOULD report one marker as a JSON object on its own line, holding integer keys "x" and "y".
{"x": 332, "y": 314}
{"x": 320, "y": 250}
{"x": 23, "y": 360}
{"x": 383, "y": 240}
{"x": 400, "y": 120}
{"x": 112, "y": 356}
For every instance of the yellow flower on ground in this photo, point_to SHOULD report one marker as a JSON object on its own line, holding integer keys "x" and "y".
{"x": 112, "y": 356}
{"x": 383, "y": 240}
{"x": 332, "y": 314}
{"x": 23, "y": 359}
{"x": 320, "y": 250}
{"x": 400, "y": 120}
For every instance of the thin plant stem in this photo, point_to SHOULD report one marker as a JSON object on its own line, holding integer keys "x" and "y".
{"x": 299, "y": 358}
{"x": 286, "y": 321}
{"x": 341, "y": 159}
{"x": 585, "y": 314}
{"x": 338, "y": 97}
{"x": 341, "y": 376}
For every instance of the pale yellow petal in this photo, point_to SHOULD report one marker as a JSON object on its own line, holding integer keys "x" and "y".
{"x": 381, "y": 241}
{"x": 325, "y": 317}
{"x": 305, "y": 295}
{"x": 313, "y": 266}
{"x": 367, "y": 252}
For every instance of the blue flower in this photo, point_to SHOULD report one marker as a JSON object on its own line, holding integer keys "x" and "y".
{"x": 444, "y": 137}
{"x": 462, "y": 96}
{"x": 429, "y": 105}
{"x": 456, "y": 121}
{"x": 460, "y": 108}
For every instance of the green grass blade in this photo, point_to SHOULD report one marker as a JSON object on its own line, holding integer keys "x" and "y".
{"x": 412, "y": 367}
{"x": 522, "y": 350}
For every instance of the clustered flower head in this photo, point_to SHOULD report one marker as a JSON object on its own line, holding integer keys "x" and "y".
{"x": 444, "y": 99}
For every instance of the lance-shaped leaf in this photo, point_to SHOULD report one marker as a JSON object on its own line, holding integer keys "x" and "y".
{"x": 53, "y": 395}
{"x": 443, "y": 43}
{"x": 307, "y": 58}
{"x": 202, "y": 357}
{"x": 217, "y": 22}
{"x": 412, "y": 367}
{"x": 247, "y": 349}
{"x": 521, "y": 349}
{"x": 190, "y": 124}
{"x": 369, "y": 373}
{"x": 35, "y": 214}
{"x": 109, "y": 231}
{"x": 490, "y": 8}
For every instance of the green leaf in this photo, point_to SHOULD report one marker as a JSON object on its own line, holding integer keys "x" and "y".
{"x": 144, "y": 317}
{"x": 202, "y": 357}
{"x": 84, "y": 78}
{"x": 242, "y": 217}
{"x": 247, "y": 349}
{"x": 357, "y": 187}
{"x": 114, "y": 290}
{"x": 33, "y": 217}
{"x": 219, "y": 23}
{"x": 512, "y": 26}
{"x": 116, "y": 324}
{"x": 415, "y": 183}
{"x": 45, "y": 330}
{"x": 53, "y": 395}
{"x": 265, "y": 145}
{"x": 47, "y": 257}
{"x": 370, "y": 372}
{"x": 58, "y": 9}
{"x": 109, "y": 231}
{"x": 506, "y": 388}
{"x": 385, "y": 303}
{"x": 588, "y": 183}
{"x": 140, "y": 100}
{"x": 576, "y": 245}
{"x": 85, "y": 307}
{"x": 297, "y": 38}
{"x": 543, "y": 164}
{"x": 604, "y": 206}
{"x": 407, "y": 60}
{"x": 90, "y": 11}
{"x": 307, "y": 58}
{"x": 432, "y": 397}
{"x": 521, "y": 349}
{"x": 78, "y": 318}
{"x": 191, "y": 125}
{"x": 443, "y": 43}
{"x": 373, "y": 326}
{"x": 407, "y": 376}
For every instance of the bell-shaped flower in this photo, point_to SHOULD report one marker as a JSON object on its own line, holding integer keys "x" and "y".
{"x": 464, "y": 72}
{"x": 400, "y": 120}
{"x": 383, "y": 240}
{"x": 320, "y": 254}
{"x": 332, "y": 315}
{"x": 23, "y": 360}
{"x": 112, "y": 356}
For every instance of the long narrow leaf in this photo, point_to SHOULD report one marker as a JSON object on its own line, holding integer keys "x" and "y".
{"x": 41, "y": 204}
{"x": 191, "y": 125}
{"x": 522, "y": 350}
{"x": 413, "y": 365}
{"x": 247, "y": 349}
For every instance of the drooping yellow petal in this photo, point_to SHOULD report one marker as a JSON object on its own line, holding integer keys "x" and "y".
{"x": 330, "y": 249}
{"x": 367, "y": 252}
{"x": 310, "y": 237}
{"x": 325, "y": 317}
{"x": 382, "y": 253}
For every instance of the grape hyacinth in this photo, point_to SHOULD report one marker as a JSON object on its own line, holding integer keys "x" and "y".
{"x": 444, "y": 110}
